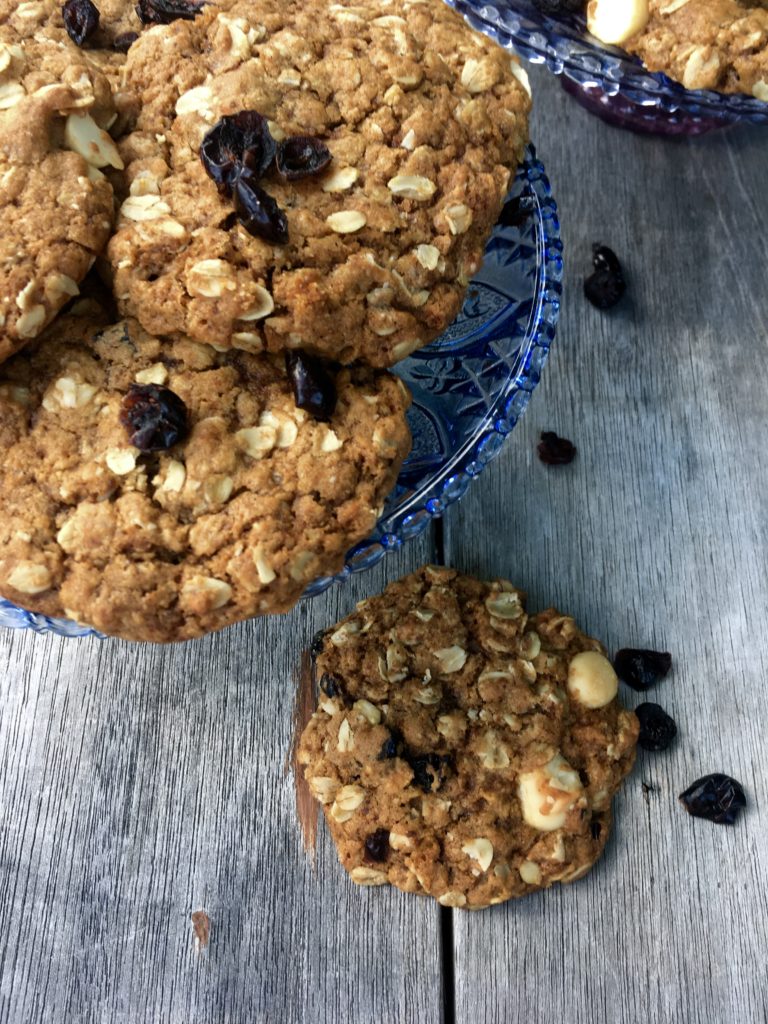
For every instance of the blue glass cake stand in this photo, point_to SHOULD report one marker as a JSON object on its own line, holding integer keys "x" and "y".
{"x": 606, "y": 80}
{"x": 469, "y": 387}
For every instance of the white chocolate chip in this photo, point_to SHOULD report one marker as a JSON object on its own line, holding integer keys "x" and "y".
{"x": 95, "y": 146}
{"x": 368, "y": 876}
{"x": 530, "y": 872}
{"x": 369, "y": 711}
{"x": 450, "y": 659}
{"x": 760, "y": 91}
{"x": 30, "y": 323}
{"x": 29, "y": 578}
{"x": 330, "y": 441}
{"x": 480, "y": 850}
{"x": 210, "y": 279}
{"x": 323, "y": 788}
{"x": 412, "y": 186}
{"x": 615, "y": 21}
{"x": 591, "y": 680}
{"x": 409, "y": 140}
{"x": 346, "y": 737}
{"x": 340, "y": 180}
{"x": 428, "y": 256}
{"x": 547, "y": 794}
{"x": 345, "y": 222}
{"x": 121, "y": 460}
{"x": 68, "y": 393}
{"x": 452, "y": 899}
{"x": 459, "y": 218}
{"x": 157, "y": 373}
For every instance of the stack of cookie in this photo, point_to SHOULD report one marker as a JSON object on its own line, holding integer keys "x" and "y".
{"x": 279, "y": 201}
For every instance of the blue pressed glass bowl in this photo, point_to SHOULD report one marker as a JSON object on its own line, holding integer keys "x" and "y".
{"x": 607, "y": 80}
{"x": 469, "y": 387}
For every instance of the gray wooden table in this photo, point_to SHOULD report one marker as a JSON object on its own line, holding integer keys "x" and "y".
{"x": 139, "y": 785}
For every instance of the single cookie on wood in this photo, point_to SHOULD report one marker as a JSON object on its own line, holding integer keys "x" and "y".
{"x": 158, "y": 490}
{"x": 462, "y": 749}
{"x": 424, "y": 119}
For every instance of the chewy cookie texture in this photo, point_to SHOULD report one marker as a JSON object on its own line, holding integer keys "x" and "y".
{"x": 158, "y": 490}
{"x": 461, "y": 748}
{"x": 425, "y": 121}
{"x": 704, "y": 44}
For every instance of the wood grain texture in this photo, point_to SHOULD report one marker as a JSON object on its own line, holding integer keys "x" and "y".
{"x": 657, "y": 535}
{"x": 140, "y": 784}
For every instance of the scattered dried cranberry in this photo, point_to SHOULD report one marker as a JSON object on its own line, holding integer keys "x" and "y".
{"x": 606, "y": 285}
{"x": 163, "y": 12}
{"x": 301, "y": 156}
{"x": 314, "y": 389}
{"x": 81, "y": 19}
{"x": 124, "y": 41}
{"x": 595, "y": 828}
{"x": 237, "y": 141}
{"x": 554, "y": 450}
{"x": 716, "y": 797}
{"x": 318, "y": 640}
{"x": 376, "y": 846}
{"x": 156, "y": 418}
{"x": 641, "y": 669}
{"x": 428, "y": 769}
{"x": 331, "y": 685}
{"x": 391, "y": 746}
{"x": 257, "y": 211}
{"x": 657, "y": 728}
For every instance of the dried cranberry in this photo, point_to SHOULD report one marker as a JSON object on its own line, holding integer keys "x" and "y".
{"x": 641, "y": 669}
{"x": 554, "y": 450}
{"x": 257, "y": 211}
{"x": 237, "y": 141}
{"x": 428, "y": 769}
{"x": 391, "y": 747}
{"x": 376, "y": 847}
{"x": 314, "y": 389}
{"x": 124, "y": 41}
{"x": 156, "y": 418}
{"x": 595, "y": 828}
{"x": 606, "y": 285}
{"x": 81, "y": 19}
{"x": 716, "y": 797}
{"x": 657, "y": 728}
{"x": 301, "y": 156}
{"x": 318, "y": 640}
{"x": 331, "y": 685}
{"x": 163, "y": 12}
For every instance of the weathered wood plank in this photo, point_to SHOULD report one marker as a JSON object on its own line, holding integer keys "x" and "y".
{"x": 139, "y": 784}
{"x": 657, "y": 535}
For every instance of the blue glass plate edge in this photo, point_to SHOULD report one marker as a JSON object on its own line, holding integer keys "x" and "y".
{"x": 566, "y": 48}
{"x": 412, "y": 517}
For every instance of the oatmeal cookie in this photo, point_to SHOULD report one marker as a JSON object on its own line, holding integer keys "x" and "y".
{"x": 424, "y": 120}
{"x": 704, "y": 44}
{"x": 57, "y": 204}
{"x": 461, "y": 748}
{"x": 158, "y": 490}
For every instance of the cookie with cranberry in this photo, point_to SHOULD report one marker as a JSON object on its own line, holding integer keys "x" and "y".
{"x": 321, "y": 176}
{"x": 157, "y": 490}
{"x": 462, "y": 748}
